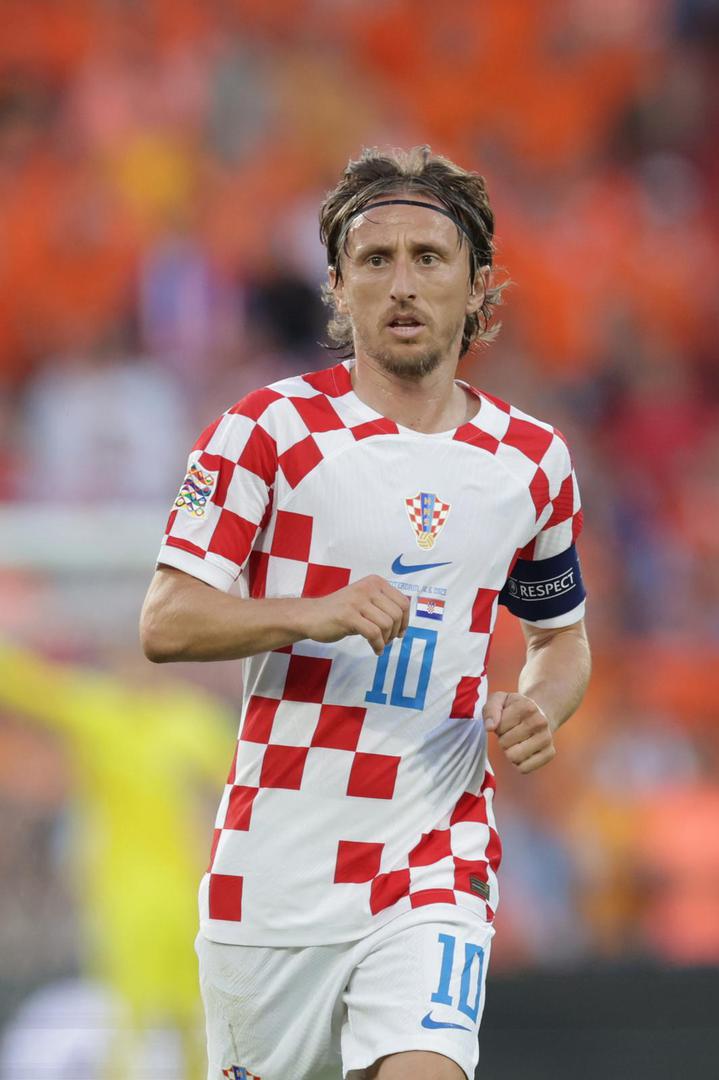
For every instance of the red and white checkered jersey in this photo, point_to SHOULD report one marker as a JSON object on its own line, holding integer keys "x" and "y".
{"x": 360, "y": 787}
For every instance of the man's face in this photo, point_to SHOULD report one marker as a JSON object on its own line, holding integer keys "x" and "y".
{"x": 405, "y": 285}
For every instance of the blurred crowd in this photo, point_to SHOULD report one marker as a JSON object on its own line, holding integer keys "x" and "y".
{"x": 161, "y": 167}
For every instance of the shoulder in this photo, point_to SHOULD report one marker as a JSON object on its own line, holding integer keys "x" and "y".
{"x": 287, "y": 394}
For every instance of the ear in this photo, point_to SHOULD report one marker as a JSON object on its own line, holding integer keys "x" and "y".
{"x": 337, "y": 286}
{"x": 478, "y": 290}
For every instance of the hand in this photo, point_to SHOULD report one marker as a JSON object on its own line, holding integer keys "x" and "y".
{"x": 369, "y": 607}
{"x": 523, "y": 730}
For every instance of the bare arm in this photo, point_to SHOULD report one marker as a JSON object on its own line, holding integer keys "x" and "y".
{"x": 185, "y": 619}
{"x": 551, "y": 686}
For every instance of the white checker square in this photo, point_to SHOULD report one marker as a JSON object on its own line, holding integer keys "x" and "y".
{"x": 285, "y": 424}
{"x": 249, "y": 763}
{"x": 285, "y": 577}
{"x": 295, "y": 723}
{"x": 470, "y": 839}
{"x": 246, "y": 495}
{"x": 328, "y": 771}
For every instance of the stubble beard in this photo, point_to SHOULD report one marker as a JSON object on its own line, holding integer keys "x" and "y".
{"x": 409, "y": 367}
{"x": 412, "y": 365}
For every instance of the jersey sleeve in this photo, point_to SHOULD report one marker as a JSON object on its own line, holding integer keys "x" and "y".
{"x": 224, "y": 499}
{"x": 545, "y": 586}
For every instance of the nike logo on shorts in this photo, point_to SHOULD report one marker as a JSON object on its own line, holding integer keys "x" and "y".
{"x": 428, "y": 1022}
{"x": 398, "y": 567}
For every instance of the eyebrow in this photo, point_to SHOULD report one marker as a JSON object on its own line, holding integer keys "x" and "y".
{"x": 373, "y": 248}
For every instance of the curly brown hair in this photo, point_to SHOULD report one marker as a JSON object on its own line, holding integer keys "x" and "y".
{"x": 416, "y": 171}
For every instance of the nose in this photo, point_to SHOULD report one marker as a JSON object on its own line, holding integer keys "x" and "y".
{"x": 403, "y": 285}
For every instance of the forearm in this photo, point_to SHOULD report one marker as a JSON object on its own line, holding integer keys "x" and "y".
{"x": 556, "y": 673}
{"x": 188, "y": 620}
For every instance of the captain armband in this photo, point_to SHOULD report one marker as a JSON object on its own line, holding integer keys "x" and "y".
{"x": 545, "y": 589}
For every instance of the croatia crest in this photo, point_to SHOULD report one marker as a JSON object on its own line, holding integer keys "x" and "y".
{"x": 427, "y": 515}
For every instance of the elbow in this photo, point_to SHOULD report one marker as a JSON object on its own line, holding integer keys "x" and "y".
{"x": 155, "y": 639}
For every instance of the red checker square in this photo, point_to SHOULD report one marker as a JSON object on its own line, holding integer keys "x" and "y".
{"x": 207, "y": 434}
{"x": 226, "y": 897}
{"x": 466, "y": 868}
{"x": 306, "y": 679}
{"x": 260, "y": 455}
{"x": 233, "y": 765}
{"x": 257, "y": 567}
{"x": 381, "y": 426}
{"x": 357, "y": 861}
{"x": 217, "y": 833}
{"x": 334, "y": 382}
{"x": 256, "y": 402}
{"x": 465, "y": 697}
{"x": 387, "y": 889}
{"x": 433, "y": 846}
{"x": 170, "y": 522}
{"x": 323, "y": 580}
{"x": 482, "y": 611}
{"x": 490, "y": 914}
{"x": 431, "y": 896}
{"x": 259, "y": 717}
{"x": 469, "y": 808}
{"x": 489, "y": 782}
{"x": 562, "y": 503}
{"x": 373, "y": 776}
{"x": 532, "y": 440}
{"x": 293, "y": 536}
{"x": 233, "y": 537}
{"x": 476, "y": 437}
{"x": 494, "y": 849}
{"x": 300, "y": 460}
{"x": 317, "y": 413}
{"x": 225, "y": 470}
{"x": 339, "y": 727}
{"x": 577, "y": 523}
{"x": 539, "y": 490}
{"x": 283, "y": 767}
{"x": 239, "y": 808}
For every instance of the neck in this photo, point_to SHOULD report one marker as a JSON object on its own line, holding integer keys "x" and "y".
{"x": 430, "y": 404}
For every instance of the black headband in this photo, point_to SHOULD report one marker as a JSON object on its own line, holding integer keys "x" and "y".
{"x": 415, "y": 202}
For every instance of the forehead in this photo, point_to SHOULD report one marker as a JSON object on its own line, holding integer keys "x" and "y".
{"x": 385, "y": 224}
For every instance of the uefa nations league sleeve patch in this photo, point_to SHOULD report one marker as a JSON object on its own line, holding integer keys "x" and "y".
{"x": 196, "y": 490}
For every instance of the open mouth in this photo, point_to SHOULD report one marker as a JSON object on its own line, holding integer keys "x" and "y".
{"x": 405, "y": 326}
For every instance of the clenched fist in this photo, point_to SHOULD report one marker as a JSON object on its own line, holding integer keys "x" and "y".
{"x": 523, "y": 730}
{"x": 369, "y": 607}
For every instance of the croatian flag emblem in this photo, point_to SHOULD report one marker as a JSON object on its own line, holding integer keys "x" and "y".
{"x": 427, "y": 515}
{"x": 429, "y": 607}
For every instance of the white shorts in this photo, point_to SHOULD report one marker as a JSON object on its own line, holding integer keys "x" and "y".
{"x": 325, "y": 1012}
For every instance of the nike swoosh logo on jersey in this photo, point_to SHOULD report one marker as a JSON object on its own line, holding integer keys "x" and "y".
{"x": 428, "y": 1022}
{"x": 398, "y": 567}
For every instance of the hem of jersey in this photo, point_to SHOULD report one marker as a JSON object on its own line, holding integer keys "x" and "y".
{"x": 567, "y": 619}
{"x": 200, "y": 568}
{"x": 225, "y": 933}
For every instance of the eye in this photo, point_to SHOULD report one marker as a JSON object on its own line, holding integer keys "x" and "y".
{"x": 428, "y": 258}
{"x": 376, "y": 260}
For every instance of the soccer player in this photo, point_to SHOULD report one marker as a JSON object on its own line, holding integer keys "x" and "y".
{"x": 349, "y": 533}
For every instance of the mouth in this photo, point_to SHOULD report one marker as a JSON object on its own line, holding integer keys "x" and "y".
{"x": 405, "y": 326}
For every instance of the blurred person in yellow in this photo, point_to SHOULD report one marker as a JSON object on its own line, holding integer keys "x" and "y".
{"x": 142, "y": 755}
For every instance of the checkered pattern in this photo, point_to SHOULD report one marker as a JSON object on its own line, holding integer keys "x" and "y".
{"x": 440, "y": 866}
{"x": 360, "y": 786}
